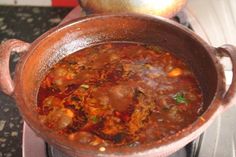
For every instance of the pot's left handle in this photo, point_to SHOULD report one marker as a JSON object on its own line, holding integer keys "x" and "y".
{"x": 6, "y": 48}
{"x": 229, "y": 97}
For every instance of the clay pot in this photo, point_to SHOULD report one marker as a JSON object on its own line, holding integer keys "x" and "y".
{"x": 63, "y": 40}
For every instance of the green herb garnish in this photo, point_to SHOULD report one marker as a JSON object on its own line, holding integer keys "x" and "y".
{"x": 95, "y": 119}
{"x": 180, "y": 98}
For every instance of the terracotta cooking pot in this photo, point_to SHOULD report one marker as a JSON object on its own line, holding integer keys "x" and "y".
{"x": 63, "y": 40}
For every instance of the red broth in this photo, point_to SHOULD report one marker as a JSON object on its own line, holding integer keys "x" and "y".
{"x": 116, "y": 94}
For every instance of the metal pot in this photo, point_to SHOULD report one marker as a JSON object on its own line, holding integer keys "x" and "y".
{"x": 164, "y": 8}
{"x": 63, "y": 40}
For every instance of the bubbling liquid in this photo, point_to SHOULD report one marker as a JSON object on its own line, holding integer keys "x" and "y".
{"x": 117, "y": 94}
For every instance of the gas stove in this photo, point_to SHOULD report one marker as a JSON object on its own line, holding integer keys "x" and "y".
{"x": 219, "y": 140}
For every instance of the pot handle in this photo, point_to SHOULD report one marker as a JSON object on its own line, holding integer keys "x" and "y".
{"x": 6, "y": 48}
{"x": 229, "y": 97}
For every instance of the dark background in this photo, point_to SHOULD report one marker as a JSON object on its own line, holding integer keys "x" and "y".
{"x": 25, "y": 23}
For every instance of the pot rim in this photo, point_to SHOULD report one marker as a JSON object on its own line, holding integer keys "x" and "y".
{"x": 185, "y": 134}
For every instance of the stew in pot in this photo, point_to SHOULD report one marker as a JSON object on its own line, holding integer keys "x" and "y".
{"x": 116, "y": 94}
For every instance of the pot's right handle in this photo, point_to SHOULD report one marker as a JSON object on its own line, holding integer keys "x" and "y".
{"x": 6, "y": 48}
{"x": 229, "y": 97}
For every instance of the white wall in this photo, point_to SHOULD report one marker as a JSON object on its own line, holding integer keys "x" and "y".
{"x": 214, "y": 20}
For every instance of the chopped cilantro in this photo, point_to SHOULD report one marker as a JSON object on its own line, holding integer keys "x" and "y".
{"x": 180, "y": 98}
{"x": 95, "y": 119}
